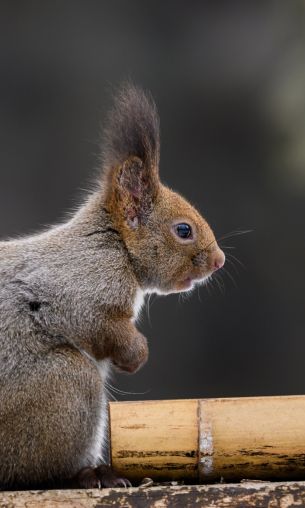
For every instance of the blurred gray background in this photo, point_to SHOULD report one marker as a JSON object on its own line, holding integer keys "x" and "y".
{"x": 229, "y": 81}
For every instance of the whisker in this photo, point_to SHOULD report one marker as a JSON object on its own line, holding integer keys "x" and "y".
{"x": 234, "y": 233}
{"x": 238, "y": 261}
{"x": 230, "y": 276}
{"x": 198, "y": 293}
{"x": 227, "y": 246}
{"x": 209, "y": 286}
{"x": 122, "y": 392}
{"x": 148, "y": 309}
{"x": 237, "y": 232}
{"x": 228, "y": 260}
{"x": 222, "y": 281}
{"x": 207, "y": 246}
{"x": 110, "y": 394}
{"x": 219, "y": 284}
{"x": 213, "y": 286}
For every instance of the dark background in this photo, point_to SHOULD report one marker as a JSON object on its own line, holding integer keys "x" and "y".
{"x": 229, "y": 81}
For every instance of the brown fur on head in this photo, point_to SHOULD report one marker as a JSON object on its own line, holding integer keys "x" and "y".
{"x": 150, "y": 217}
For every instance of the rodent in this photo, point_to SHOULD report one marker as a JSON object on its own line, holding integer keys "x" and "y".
{"x": 69, "y": 299}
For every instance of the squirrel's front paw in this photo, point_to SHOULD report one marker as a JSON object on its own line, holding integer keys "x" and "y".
{"x": 133, "y": 357}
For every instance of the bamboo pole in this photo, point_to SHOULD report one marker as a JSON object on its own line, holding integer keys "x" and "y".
{"x": 208, "y": 439}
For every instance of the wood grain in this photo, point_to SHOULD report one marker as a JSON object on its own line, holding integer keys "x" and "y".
{"x": 260, "y": 495}
{"x": 258, "y": 438}
{"x": 204, "y": 440}
{"x": 155, "y": 439}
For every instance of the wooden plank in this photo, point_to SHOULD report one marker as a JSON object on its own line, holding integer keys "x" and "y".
{"x": 236, "y": 438}
{"x": 245, "y": 495}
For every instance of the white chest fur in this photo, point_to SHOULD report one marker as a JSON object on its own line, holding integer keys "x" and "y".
{"x": 95, "y": 453}
{"x": 138, "y": 303}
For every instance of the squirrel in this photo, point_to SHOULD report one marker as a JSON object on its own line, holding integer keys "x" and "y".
{"x": 70, "y": 297}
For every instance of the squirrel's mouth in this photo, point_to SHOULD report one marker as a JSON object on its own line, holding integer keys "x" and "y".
{"x": 183, "y": 285}
{"x": 186, "y": 284}
{"x": 190, "y": 282}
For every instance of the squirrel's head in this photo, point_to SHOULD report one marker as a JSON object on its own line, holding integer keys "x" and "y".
{"x": 169, "y": 244}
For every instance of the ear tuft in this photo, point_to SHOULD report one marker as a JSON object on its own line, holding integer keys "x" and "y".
{"x": 130, "y": 180}
{"x": 132, "y": 129}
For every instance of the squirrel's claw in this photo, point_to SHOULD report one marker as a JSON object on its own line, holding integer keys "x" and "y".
{"x": 109, "y": 478}
{"x": 102, "y": 476}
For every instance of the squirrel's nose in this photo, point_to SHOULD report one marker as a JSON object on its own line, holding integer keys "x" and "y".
{"x": 217, "y": 259}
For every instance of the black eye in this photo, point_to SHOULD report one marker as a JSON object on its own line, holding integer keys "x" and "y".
{"x": 183, "y": 230}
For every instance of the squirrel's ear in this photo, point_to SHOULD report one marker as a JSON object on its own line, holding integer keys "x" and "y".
{"x": 134, "y": 189}
{"x": 131, "y": 155}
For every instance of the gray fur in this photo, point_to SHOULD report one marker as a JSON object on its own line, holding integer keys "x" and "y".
{"x": 55, "y": 292}
{"x": 69, "y": 299}
{"x": 66, "y": 311}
